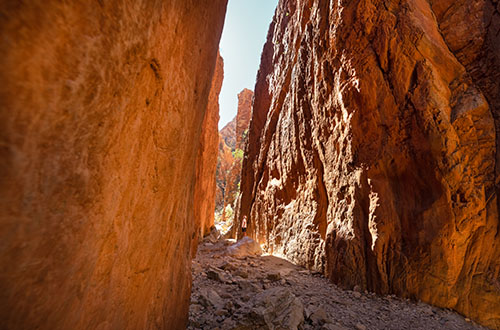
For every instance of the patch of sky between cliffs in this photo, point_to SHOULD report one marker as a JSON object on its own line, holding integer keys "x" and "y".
{"x": 243, "y": 37}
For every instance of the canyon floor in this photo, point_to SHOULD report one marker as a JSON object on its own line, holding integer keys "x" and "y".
{"x": 267, "y": 292}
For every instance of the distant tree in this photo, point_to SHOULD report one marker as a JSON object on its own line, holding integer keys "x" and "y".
{"x": 238, "y": 154}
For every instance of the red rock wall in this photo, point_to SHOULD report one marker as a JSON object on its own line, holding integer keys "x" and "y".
{"x": 245, "y": 99}
{"x": 233, "y": 134}
{"x": 225, "y": 160}
{"x": 204, "y": 199}
{"x": 101, "y": 107}
{"x": 242, "y": 122}
{"x": 373, "y": 149}
{"x": 232, "y": 137}
{"x": 228, "y": 134}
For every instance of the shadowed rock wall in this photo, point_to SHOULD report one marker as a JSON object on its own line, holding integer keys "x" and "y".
{"x": 373, "y": 150}
{"x": 101, "y": 107}
{"x": 207, "y": 156}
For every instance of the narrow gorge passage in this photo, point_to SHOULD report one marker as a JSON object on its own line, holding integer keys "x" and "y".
{"x": 237, "y": 289}
{"x": 365, "y": 152}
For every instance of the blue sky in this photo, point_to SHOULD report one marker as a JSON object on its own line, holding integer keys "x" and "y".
{"x": 243, "y": 37}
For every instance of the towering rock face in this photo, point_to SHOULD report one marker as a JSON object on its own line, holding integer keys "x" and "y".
{"x": 245, "y": 98}
{"x": 373, "y": 150}
{"x": 204, "y": 199}
{"x": 101, "y": 107}
{"x": 228, "y": 134}
{"x": 233, "y": 138}
{"x": 242, "y": 120}
{"x": 225, "y": 160}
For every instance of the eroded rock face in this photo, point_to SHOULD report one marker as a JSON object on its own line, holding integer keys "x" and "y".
{"x": 228, "y": 134}
{"x": 242, "y": 122}
{"x": 101, "y": 110}
{"x": 204, "y": 199}
{"x": 232, "y": 139}
{"x": 245, "y": 98}
{"x": 373, "y": 147}
{"x": 225, "y": 160}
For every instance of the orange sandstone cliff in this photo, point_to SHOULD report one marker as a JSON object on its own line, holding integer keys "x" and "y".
{"x": 204, "y": 199}
{"x": 245, "y": 99}
{"x": 230, "y": 159}
{"x": 373, "y": 152}
{"x": 225, "y": 160}
{"x": 101, "y": 111}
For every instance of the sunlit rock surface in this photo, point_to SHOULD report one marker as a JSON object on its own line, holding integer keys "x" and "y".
{"x": 228, "y": 134}
{"x": 245, "y": 98}
{"x": 101, "y": 108}
{"x": 373, "y": 150}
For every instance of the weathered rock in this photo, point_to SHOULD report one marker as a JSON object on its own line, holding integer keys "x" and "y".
{"x": 273, "y": 277}
{"x": 217, "y": 275}
{"x": 373, "y": 150}
{"x": 245, "y": 99}
{"x": 204, "y": 196}
{"x": 233, "y": 138}
{"x": 275, "y": 308}
{"x": 248, "y": 286}
{"x": 214, "y": 235}
{"x": 318, "y": 316}
{"x": 209, "y": 297}
{"x": 360, "y": 326}
{"x": 241, "y": 273}
{"x": 225, "y": 160}
{"x": 228, "y": 266}
{"x": 328, "y": 306}
{"x": 228, "y": 134}
{"x": 101, "y": 110}
{"x": 244, "y": 247}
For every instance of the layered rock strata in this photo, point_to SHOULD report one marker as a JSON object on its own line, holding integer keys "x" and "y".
{"x": 204, "y": 200}
{"x": 101, "y": 110}
{"x": 373, "y": 152}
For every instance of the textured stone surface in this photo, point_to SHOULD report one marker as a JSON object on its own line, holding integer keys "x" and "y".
{"x": 242, "y": 122}
{"x": 372, "y": 151}
{"x": 244, "y": 247}
{"x": 228, "y": 134}
{"x": 250, "y": 299}
{"x": 245, "y": 98}
{"x": 101, "y": 107}
{"x": 225, "y": 160}
{"x": 204, "y": 198}
{"x": 232, "y": 139}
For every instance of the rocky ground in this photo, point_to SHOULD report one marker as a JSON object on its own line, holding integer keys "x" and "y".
{"x": 233, "y": 288}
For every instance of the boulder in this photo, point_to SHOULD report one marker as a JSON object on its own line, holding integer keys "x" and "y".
{"x": 209, "y": 297}
{"x": 275, "y": 308}
{"x": 244, "y": 247}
